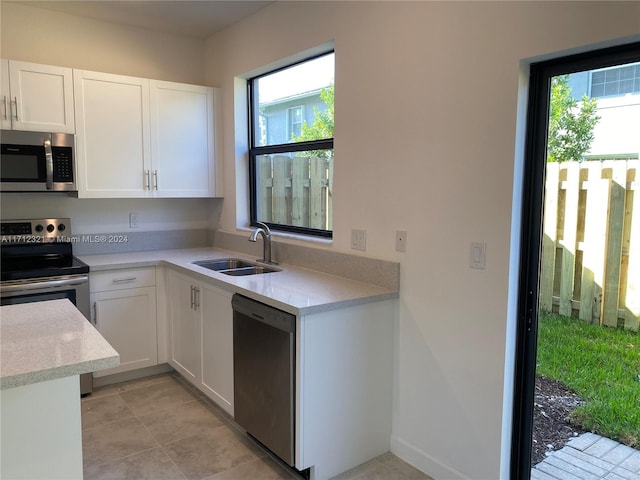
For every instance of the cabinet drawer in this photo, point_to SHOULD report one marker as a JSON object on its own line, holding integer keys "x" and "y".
{"x": 121, "y": 279}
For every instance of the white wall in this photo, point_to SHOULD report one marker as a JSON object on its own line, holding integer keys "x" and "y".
{"x": 617, "y": 130}
{"x": 41, "y": 36}
{"x": 425, "y": 133}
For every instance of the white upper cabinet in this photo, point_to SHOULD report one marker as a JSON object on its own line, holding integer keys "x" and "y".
{"x": 143, "y": 138}
{"x": 6, "y": 96}
{"x": 37, "y": 97}
{"x": 182, "y": 144}
{"x": 113, "y": 151}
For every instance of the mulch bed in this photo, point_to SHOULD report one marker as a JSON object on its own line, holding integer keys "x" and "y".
{"x": 553, "y": 403}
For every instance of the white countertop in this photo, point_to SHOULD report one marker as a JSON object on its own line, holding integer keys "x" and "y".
{"x": 296, "y": 290}
{"x": 48, "y": 340}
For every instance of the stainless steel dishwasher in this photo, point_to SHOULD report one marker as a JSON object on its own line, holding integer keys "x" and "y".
{"x": 264, "y": 374}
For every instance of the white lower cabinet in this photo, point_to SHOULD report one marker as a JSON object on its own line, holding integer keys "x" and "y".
{"x": 184, "y": 326}
{"x": 217, "y": 346}
{"x": 201, "y": 336}
{"x": 124, "y": 311}
{"x": 344, "y": 387}
{"x": 343, "y": 374}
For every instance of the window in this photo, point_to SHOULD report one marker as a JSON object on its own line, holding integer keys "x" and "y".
{"x": 291, "y": 147}
{"x": 616, "y": 81}
{"x": 295, "y": 119}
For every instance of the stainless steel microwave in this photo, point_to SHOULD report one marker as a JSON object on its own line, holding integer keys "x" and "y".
{"x": 37, "y": 162}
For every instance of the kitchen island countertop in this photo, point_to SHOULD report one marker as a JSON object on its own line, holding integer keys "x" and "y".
{"x": 48, "y": 340}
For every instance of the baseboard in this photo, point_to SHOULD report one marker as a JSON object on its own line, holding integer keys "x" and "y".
{"x": 423, "y": 461}
{"x": 131, "y": 375}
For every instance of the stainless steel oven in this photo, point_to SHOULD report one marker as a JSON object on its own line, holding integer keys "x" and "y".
{"x": 38, "y": 264}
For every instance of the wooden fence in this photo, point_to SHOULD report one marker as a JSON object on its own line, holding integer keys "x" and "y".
{"x": 591, "y": 244}
{"x": 296, "y": 190}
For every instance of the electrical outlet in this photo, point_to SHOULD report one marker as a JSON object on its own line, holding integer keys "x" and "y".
{"x": 134, "y": 219}
{"x": 358, "y": 239}
{"x": 401, "y": 240}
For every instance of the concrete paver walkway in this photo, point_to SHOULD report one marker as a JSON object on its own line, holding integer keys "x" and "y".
{"x": 590, "y": 457}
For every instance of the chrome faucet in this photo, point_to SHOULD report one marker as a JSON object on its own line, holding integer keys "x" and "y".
{"x": 263, "y": 229}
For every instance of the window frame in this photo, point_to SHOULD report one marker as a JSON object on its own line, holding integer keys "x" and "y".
{"x": 255, "y": 151}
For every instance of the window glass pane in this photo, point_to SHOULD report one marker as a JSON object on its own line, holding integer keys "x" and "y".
{"x": 611, "y": 88}
{"x": 597, "y": 77}
{"x": 626, "y": 73}
{"x": 597, "y": 90}
{"x": 295, "y": 120}
{"x": 612, "y": 75}
{"x": 295, "y": 188}
{"x": 616, "y": 81}
{"x": 626, "y": 86}
{"x": 294, "y": 104}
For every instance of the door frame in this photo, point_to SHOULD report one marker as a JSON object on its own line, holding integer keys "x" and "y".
{"x": 531, "y": 234}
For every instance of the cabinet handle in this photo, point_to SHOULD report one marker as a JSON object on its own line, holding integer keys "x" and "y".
{"x": 124, "y": 280}
{"x": 4, "y": 108}
{"x": 193, "y": 297}
{"x": 147, "y": 185}
{"x": 95, "y": 314}
{"x": 196, "y": 298}
{"x": 15, "y": 102}
{"x": 155, "y": 179}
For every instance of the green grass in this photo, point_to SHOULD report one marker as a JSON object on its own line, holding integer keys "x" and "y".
{"x": 602, "y": 366}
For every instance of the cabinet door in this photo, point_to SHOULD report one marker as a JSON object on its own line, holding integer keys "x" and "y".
{"x": 5, "y": 114}
{"x": 127, "y": 320}
{"x": 182, "y": 143}
{"x": 42, "y": 96}
{"x": 113, "y": 150}
{"x": 217, "y": 346}
{"x": 184, "y": 320}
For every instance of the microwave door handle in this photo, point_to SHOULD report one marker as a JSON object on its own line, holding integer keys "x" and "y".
{"x": 48, "y": 156}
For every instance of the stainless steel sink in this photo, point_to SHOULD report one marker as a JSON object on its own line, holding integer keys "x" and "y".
{"x": 242, "y": 271}
{"x": 235, "y": 267}
{"x": 223, "y": 264}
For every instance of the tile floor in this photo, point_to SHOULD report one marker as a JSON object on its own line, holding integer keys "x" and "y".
{"x": 162, "y": 428}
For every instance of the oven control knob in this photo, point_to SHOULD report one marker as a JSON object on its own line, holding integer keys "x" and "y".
{"x": 39, "y": 228}
{"x": 62, "y": 227}
{"x": 50, "y": 227}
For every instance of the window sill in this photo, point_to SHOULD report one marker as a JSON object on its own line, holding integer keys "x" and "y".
{"x": 292, "y": 236}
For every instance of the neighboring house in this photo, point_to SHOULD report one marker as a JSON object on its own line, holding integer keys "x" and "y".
{"x": 617, "y": 90}
{"x": 282, "y": 118}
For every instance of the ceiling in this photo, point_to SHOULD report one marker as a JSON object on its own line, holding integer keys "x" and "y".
{"x": 199, "y": 19}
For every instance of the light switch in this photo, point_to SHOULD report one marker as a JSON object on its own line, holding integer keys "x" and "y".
{"x": 358, "y": 239}
{"x": 478, "y": 255}
{"x": 134, "y": 220}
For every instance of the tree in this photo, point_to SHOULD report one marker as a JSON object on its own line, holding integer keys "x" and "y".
{"x": 322, "y": 126}
{"x": 571, "y": 123}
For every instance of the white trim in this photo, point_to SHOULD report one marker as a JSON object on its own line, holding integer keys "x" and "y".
{"x": 423, "y": 461}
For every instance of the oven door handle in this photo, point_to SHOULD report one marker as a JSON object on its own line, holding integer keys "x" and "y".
{"x": 39, "y": 285}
